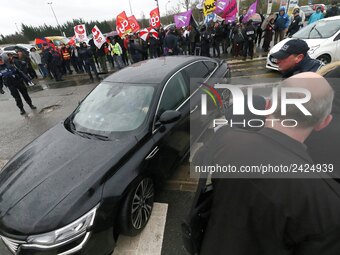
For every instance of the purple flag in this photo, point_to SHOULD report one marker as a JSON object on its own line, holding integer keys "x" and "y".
{"x": 183, "y": 19}
{"x": 250, "y": 12}
{"x": 221, "y": 5}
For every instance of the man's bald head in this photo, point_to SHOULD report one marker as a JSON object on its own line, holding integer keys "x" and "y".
{"x": 319, "y": 105}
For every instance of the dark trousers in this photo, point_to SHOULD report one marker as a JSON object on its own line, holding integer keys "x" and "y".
{"x": 237, "y": 48}
{"x": 54, "y": 69}
{"x": 16, "y": 90}
{"x": 216, "y": 49}
{"x": 248, "y": 48}
{"x": 153, "y": 52}
{"x": 91, "y": 66}
{"x": 67, "y": 66}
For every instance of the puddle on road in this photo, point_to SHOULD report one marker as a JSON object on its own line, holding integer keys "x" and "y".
{"x": 50, "y": 108}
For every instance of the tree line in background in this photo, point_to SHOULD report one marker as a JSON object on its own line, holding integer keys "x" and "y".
{"x": 29, "y": 33}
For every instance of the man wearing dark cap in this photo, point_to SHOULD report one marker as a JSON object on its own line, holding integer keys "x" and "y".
{"x": 12, "y": 78}
{"x": 293, "y": 58}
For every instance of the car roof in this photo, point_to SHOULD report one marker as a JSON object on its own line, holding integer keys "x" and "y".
{"x": 153, "y": 71}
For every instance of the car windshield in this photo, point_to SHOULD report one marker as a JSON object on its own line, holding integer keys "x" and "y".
{"x": 113, "y": 107}
{"x": 321, "y": 29}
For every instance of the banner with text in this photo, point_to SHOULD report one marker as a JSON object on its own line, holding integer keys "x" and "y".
{"x": 155, "y": 20}
{"x": 183, "y": 19}
{"x": 98, "y": 37}
{"x": 134, "y": 23}
{"x": 80, "y": 32}
{"x": 208, "y": 7}
{"x": 122, "y": 24}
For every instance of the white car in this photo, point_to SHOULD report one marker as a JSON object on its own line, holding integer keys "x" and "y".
{"x": 322, "y": 37}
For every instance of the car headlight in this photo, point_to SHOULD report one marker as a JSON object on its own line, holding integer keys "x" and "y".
{"x": 67, "y": 233}
{"x": 313, "y": 49}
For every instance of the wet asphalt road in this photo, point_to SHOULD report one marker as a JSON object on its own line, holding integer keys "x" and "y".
{"x": 56, "y": 104}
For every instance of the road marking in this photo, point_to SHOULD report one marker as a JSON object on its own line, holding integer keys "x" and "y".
{"x": 149, "y": 242}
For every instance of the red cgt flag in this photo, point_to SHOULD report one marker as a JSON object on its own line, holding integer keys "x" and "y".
{"x": 155, "y": 20}
{"x": 133, "y": 23}
{"x": 122, "y": 24}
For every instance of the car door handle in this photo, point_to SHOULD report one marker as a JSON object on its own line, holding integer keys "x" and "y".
{"x": 152, "y": 153}
{"x": 194, "y": 109}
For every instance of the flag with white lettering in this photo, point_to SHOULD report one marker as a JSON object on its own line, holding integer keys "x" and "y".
{"x": 80, "y": 32}
{"x": 155, "y": 20}
{"x": 122, "y": 24}
{"x": 133, "y": 24}
{"x": 183, "y": 19}
{"x": 98, "y": 37}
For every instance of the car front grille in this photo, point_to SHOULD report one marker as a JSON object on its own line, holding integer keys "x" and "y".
{"x": 12, "y": 245}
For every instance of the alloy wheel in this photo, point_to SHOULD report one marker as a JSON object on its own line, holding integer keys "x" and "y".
{"x": 142, "y": 203}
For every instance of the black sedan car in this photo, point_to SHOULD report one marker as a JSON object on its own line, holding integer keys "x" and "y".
{"x": 93, "y": 176}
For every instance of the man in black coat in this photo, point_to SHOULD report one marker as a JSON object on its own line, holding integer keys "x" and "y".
{"x": 276, "y": 213}
{"x": 295, "y": 25}
{"x": 171, "y": 42}
{"x": 293, "y": 58}
{"x": 333, "y": 11}
{"x": 12, "y": 78}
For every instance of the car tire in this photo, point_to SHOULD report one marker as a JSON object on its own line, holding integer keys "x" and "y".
{"x": 137, "y": 207}
{"x": 326, "y": 59}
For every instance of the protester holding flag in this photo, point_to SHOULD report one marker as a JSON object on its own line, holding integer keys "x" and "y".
{"x": 281, "y": 25}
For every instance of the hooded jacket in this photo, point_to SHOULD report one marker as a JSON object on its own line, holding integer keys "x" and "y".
{"x": 282, "y": 21}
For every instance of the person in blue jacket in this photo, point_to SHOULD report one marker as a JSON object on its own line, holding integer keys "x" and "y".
{"x": 316, "y": 15}
{"x": 281, "y": 25}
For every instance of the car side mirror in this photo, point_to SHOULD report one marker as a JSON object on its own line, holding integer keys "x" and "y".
{"x": 169, "y": 116}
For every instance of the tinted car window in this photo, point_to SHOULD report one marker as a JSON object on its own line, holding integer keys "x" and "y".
{"x": 210, "y": 65}
{"x": 9, "y": 48}
{"x": 321, "y": 29}
{"x": 197, "y": 70}
{"x": 114, "y": 108}
{"x": 174, "y": 94}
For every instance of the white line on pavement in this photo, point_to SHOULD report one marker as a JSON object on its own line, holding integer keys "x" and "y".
{"x": 149, "y": 242}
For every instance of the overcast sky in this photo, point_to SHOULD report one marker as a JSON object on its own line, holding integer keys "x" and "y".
{"x": 38, "y": 12}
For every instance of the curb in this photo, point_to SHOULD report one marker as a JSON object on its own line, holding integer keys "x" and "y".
{"x": 69, "y": 80}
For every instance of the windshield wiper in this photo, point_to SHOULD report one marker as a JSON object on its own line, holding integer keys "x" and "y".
{"x": 318, "y": 32}
{"x": 314, "y": 28}
{"x": 99, "y": 137}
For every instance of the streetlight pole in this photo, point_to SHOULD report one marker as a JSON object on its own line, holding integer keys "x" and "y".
{"x": 166, "y": 10}
{"x": 130, "y": 7}
{"x": 61, "y": 33}
{"x": 16, "y": 25}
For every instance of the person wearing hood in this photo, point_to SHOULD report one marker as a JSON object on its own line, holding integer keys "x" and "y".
{"x": 316, "y": 15}
{"x": 293, "y": 58}
{"x": 249, "y": 33}
{"x": 281, "y": 25}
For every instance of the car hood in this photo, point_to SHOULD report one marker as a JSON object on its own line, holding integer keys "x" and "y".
{"x": 52, "y": 177}
{"x": 311, "y": 44}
